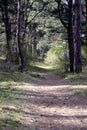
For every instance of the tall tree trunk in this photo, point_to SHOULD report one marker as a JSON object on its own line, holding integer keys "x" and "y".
{"x": 6, "y": 19}
{"x": 19, "y": 44}
{"x": 69, "y": 29}
{"x": 25, "y": 17}
{"x": 78, "y": 59}
{"x": 86, "y": 10}
{"x": 86, "y": 19}
{"x": 70, "y": 35}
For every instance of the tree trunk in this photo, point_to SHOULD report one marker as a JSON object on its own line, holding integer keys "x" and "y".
{"x": 70, "y": 35}
{"x": 69, "y": 29}
{"x": 19, "y": 44}
{"x": 25, "y": 18}
{"x": 78, "y": 59}
{"x": 86, "y": 10}
{"x": 86, "y": 19}
{"x": 6, "y": 19}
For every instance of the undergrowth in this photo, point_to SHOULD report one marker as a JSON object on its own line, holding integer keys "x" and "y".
{"x": 77, "y": 81}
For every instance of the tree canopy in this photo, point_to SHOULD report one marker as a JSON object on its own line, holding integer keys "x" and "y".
{"x": 29, "y": 28}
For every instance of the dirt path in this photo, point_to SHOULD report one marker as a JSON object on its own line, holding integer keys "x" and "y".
{"x": 45, "y": 104}
{"x": 54, "y": 106}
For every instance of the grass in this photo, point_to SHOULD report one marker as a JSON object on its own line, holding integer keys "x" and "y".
{"x": 11, "y": 104}
{"x": 81, "y": 92}
{"x": 13, "y": 100}
{"x": 8, "y": 123}
{"x": 77, "y": 78}
{"x": 9, "y": 116}
{"x": 78, "y": 81}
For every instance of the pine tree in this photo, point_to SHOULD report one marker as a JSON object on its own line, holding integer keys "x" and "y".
{"x": 6, "y": 20}
{"x": 19, "y": 44}
{"x": 78, "y": 19}
{"x": 68, "y": 24}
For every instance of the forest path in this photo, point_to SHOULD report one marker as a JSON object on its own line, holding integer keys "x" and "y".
{"x": 54, "y": 106}
{"x": 45, "y": 103}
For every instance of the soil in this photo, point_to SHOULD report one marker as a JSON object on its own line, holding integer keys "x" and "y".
{"x": 47, "y": 104}
{"x": 54, "y": 105}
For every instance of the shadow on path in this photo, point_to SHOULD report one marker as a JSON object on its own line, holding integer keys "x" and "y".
{"x": 47, "y": 105}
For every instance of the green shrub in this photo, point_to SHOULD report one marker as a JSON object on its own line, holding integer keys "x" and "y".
{"x": 58, "y": 56}
{"x": 84, "y": 55}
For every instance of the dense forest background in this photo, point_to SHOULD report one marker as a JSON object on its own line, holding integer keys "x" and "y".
{"x": 54, "y": 31}
{"x": 43, "y": 64}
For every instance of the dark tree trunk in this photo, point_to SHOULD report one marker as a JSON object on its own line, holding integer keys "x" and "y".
{"x": 78, "y": 59}
{"x": 69, "y": 28}
{"x": 6, "y": 19}
{"x": 19, "y": 44}
{"x": 86, "y": 10}
{"x": 70, "y": 35}
{"x": 25, "y": 17}
{"x": 86, "y": 20}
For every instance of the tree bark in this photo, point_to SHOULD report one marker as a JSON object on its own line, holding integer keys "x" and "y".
{"x": 25, "y": 17}
{"x": 86, "y": 19}
{"x": 70, "y": 35}
{"x": 69, "y": 28}
{"x": 86, "y": 10}
{"x": 6, "y": 20}
{"x": 78, "y": 59}
{"x": 19, "y": 44}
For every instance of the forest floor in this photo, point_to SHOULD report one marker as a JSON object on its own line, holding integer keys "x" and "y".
{"x": 41, "y": 101}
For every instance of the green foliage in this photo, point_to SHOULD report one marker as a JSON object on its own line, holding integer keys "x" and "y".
{"x": 78, "y": 82}
{"x": 15, "y": 58}
{"x": 42, "y": 27}
{"x": 57, "y": 55}
{"x": 84, "y": 55}
{"x": 30, "y": 56}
